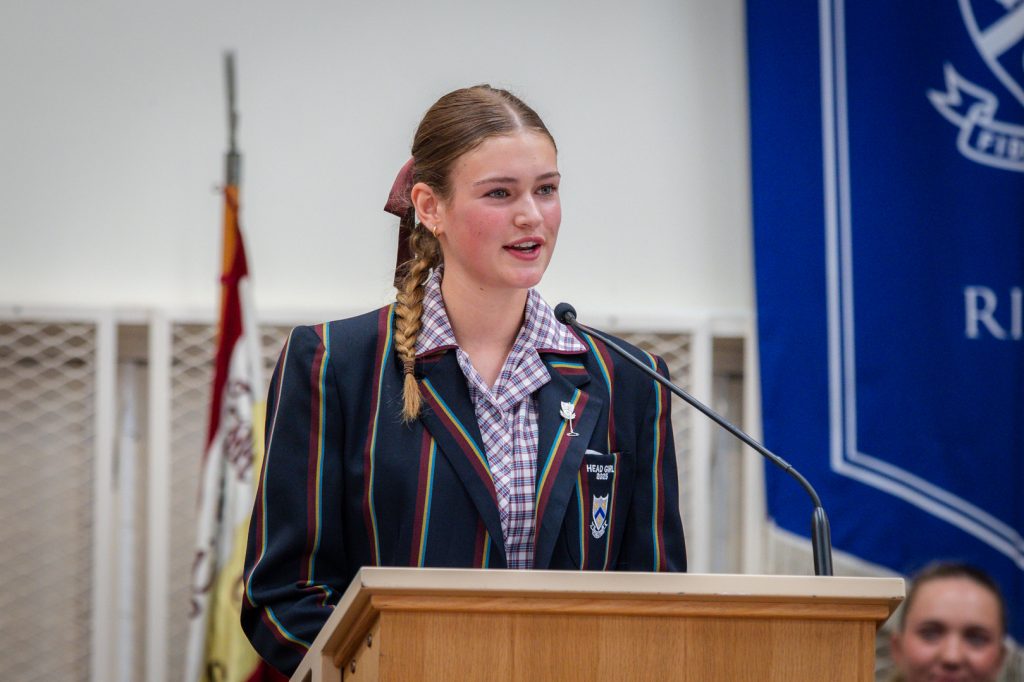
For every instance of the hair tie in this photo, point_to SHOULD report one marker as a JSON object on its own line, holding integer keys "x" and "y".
{"x": 399, "y": 200}
{"x": 409, "y": 366}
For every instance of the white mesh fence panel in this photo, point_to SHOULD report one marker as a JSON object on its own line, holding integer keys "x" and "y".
{"x": 192, "y": 349}
{"x": 47, "y": 391}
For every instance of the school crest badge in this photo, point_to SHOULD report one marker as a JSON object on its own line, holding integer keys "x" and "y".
{"x": 599, "y": 516}
{"x": 997, "y": 30}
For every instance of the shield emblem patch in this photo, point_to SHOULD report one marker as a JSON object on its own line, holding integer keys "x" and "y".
{"x": 598, "y": 516}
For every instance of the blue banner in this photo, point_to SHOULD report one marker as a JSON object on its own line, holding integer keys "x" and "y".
{"x": 888, "y": 191}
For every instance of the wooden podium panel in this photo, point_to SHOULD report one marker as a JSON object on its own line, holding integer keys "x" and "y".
{"x": 454, "y": 624}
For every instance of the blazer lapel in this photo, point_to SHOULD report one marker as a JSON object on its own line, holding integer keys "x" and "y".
{"x": 449, "y": 417}
{"x": 559, "y": 455}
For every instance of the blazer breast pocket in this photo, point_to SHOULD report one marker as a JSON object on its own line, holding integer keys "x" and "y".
{"x": 600, "y": 504}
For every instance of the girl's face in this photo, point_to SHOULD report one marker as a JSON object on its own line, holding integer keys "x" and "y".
{"x": 498, "y": 228}
{"x": 952, "y": 633}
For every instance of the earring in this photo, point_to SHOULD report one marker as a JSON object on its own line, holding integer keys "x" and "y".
{"x": 433, "y": 231}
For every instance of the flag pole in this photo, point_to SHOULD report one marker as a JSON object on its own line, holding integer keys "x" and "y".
{"x": 233, "y": 179}
{"x": 233, "y": 160}
{"x": 217, "y": 647}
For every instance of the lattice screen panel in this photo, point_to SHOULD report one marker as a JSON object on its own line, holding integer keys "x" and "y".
{"x": 47, "y": 390}
{"x": 192, "y": 351}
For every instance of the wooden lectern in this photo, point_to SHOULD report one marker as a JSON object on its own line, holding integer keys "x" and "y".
{"x": 455, "y": 624}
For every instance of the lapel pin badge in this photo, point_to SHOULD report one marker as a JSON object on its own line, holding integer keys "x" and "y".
{"x": 570, "y": 414}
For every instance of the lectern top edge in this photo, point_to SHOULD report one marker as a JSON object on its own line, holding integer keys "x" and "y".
{"x": 390, "y": 578}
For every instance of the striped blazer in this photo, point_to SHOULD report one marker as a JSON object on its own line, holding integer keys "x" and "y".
{"x": 345, "y": 483}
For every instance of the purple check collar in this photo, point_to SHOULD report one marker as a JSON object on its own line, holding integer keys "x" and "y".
{"x": 540, "y": 330}
{"x": 523, "y": 372}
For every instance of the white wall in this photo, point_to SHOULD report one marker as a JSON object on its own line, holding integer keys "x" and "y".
{"x": 112, "y": 131}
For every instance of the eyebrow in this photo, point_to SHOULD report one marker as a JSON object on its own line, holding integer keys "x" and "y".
{"x": 511, "y": 180}
{"x": 933, "y": 623}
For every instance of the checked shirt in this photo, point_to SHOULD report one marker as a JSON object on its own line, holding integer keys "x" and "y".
{"x": 506, "y": 412}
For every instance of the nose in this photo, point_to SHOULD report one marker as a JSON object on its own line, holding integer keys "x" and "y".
{"x": 951, "y": 653}
{"x": 528, "y": 214}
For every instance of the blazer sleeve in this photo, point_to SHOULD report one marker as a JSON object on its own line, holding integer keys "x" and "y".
{"x": 295, "y": 555}
{"x": 653, "y": 538}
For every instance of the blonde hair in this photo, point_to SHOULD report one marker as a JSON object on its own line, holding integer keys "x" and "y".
{"x": 410, "y": 280}
{"x": 456, "y": 124}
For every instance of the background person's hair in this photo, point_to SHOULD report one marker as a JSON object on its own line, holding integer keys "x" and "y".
{"x": 952, "y": 569}
{"x": 456, "y": 124}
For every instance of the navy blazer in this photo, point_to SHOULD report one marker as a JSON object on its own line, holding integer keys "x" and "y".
{"x": 345, "y": 483}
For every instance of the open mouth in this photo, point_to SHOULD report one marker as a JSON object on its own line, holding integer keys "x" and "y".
{"x": 524, "y": 247}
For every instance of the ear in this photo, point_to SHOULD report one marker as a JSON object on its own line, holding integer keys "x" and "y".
{"x": 428, "y": 205}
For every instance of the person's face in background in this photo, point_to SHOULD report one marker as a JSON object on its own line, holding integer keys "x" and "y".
{"x": 952, "y": 633}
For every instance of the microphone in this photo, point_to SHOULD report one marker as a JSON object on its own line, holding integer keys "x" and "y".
{"x": 821, "y": 539}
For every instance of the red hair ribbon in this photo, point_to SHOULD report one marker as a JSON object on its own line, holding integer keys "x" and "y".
{"x": 399, "y": 201}
{"x": 399, "y": 204}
